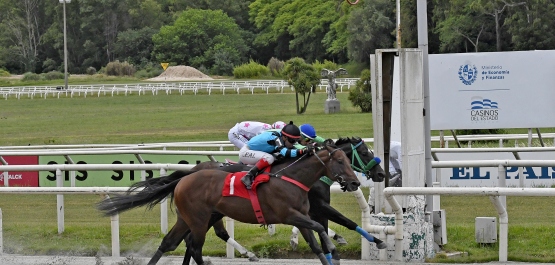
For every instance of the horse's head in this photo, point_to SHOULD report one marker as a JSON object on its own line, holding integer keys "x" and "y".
{"x": 362, "y": 158}
{"x": 338, "y": 167}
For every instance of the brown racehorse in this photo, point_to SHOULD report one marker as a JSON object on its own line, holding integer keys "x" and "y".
{"x": 200, "y": 203}
{"x": 318, "y": 196}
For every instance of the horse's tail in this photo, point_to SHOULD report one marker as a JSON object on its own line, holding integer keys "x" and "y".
{"x": 150, "y": 195}
{"x": 155, "y": 182}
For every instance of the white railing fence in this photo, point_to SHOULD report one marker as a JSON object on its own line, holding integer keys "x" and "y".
{"x": 167, "y": 88}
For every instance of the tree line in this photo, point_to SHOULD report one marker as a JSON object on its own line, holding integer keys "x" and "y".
{"x": 214, "y": 35}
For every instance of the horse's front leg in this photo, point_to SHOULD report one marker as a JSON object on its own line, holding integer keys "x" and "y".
{"x": 333, "y": 215}
{"x": 306, "y": 225}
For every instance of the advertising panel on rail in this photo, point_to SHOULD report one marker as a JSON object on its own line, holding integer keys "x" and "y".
{"x": 492, "y": 90}
{"x": 489, "y": 176}
{"x": 115, "y": 178}
{"x": 21, "y": 178}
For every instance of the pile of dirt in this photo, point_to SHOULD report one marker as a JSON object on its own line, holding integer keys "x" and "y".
{"x": 181, "y": 73}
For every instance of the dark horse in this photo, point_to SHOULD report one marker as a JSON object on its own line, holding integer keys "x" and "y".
{"x": 318, "y": 196}
{"x": 200, "y": 203}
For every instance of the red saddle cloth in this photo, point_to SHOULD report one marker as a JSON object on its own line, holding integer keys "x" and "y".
{"x": 234, "y": 187}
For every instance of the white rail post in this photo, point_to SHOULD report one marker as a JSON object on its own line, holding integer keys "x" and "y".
{"x": 502, "y": 175}
{"x": 1, "y": 234}
{"x": 60, "y": 201}
{"x": 6, "y": 174}
{"x": 164, "y": 209}
{"x": 114, "y": 221}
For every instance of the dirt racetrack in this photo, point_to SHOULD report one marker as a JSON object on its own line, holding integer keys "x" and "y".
{"x": 175, "y": 260}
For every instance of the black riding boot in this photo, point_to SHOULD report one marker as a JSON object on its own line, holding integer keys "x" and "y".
{"x": 248, "y": 179}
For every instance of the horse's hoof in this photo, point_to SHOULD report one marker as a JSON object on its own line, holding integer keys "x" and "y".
{"x": 336, "y": 262}
{"x": 340, "y": 240}
{"x": 381, "y": 245}
{"x": 294, "y": 243}
{"x": 253, "y": 258}
{"x": 207, "y": 262}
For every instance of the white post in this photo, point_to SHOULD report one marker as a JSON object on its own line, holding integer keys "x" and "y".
{"x": 60, "y": 201}
{"x": 530, "y": 137}
{"x": 6, "y": 174}
{"x": 163, "y": 210}
{"x": 114, "y": 221}
{"x": 1, "y": 234}
{"x": 502, "y": 173}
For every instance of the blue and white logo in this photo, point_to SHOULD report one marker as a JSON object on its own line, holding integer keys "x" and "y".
{"x": 483, "y": 103}
{"x": 483, "y": 110}
{"x": 468, "y": 74}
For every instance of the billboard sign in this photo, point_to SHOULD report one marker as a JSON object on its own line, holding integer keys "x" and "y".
{"x": 113, "y": 178}
{"x": 492, "y": 90}
{"x": 21, "y": 178}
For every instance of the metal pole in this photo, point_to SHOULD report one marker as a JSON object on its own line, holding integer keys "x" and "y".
{"x": 65, "y": 46}
{"x": 422, "y": 22}
{"x": 398, "y": 7}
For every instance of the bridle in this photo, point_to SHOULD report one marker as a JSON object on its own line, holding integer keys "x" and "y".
{"x": 365, "y": 168}
{"x": 338, "y": 177}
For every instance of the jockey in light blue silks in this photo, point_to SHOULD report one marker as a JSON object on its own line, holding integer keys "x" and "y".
{"x": 259, "y": 150}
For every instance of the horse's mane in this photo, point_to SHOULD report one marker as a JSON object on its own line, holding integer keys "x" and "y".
{"x": 344, "y": 140}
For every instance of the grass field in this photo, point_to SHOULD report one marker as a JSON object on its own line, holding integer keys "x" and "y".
{"x": 30, "y": 221}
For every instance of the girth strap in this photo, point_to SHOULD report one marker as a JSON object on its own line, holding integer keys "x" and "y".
{"x": 256, "y": 206}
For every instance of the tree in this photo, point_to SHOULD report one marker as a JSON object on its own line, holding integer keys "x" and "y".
{"x": 361, "y": 95}
{"x": 460, "y": 25}
{"x": 135, "y": 46}
{"x": 22, "y": 21}
{"x": 201, "y": 38}
{"x": 295, "y": 27}
{"x": 495, "y": 9}
{"x": 531, "y": 27}
{"x": 371, "y": 27}
{"x": 304, "y": 79}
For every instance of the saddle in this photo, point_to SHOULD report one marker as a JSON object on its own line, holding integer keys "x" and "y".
{"x": 234, "y": 187}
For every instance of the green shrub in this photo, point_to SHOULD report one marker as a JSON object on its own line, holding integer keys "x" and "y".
{"x": 49, "y": 65}
{"x": 250, "y": 70}
{"x": 91, "y": 70}
{"x": 326, "y": 64}
{"x": 4, "y": 73}
{"x": 30, "y": 77}
{"x": 53, "y": 75}
{"x": 118, "y": 68}
{"x": 275, "y": 66}
{"x": 361, "y": 94}
{"x": 149, "y": 70}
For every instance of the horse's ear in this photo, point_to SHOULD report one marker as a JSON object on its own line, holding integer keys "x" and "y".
{"x": 328, "y": 142}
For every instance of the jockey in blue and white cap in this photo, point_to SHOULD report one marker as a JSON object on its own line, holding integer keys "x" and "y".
{"x": 308, "y": 134}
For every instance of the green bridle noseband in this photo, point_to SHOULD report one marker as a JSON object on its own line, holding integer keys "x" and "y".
{"x": 375, "y": 161}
